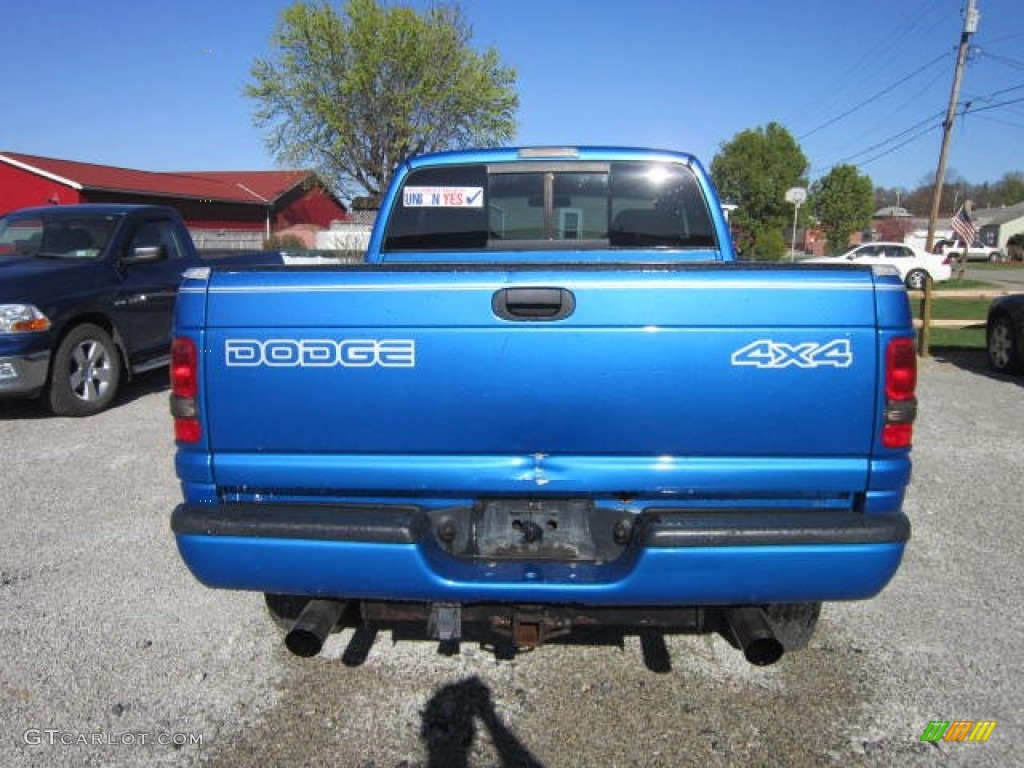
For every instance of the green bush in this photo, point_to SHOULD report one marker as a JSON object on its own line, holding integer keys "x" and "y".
{"x": 769, "y": 245}
{"x": 284, "y": 243}
{"x": 1015, "y": 247}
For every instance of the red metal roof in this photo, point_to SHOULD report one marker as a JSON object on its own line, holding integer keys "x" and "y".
{"x": 257, "y": 187}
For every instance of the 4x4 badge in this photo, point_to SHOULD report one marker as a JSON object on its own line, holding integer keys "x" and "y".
{"x": 765, "y": 353}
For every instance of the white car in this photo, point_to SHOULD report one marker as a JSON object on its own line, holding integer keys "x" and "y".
{"x": 976, "y": 252}
{"x": 915, "y": 265}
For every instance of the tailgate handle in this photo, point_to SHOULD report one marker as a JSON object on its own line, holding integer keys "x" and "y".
{"x": 533, "y": 304}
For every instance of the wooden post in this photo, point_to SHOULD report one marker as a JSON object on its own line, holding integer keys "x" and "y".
{"x": 926, "y": 319}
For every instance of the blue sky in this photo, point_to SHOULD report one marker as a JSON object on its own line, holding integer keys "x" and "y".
{"x": 158, "y": 86}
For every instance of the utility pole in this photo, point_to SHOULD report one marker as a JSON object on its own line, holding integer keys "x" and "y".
{"x": 971, "y": 16}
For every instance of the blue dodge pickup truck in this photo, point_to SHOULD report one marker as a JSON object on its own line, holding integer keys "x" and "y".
{"x": 551, "y": 399}
{"x": 87, "y": 296}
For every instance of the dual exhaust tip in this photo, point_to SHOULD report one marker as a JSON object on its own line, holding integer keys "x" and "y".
{"x": 747, "y": 626}
{"x": 315, "y": 623}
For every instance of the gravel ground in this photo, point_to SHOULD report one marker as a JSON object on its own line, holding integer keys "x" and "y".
{"x": 112, "y": 652}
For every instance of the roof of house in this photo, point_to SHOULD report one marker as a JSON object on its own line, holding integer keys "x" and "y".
{"x": 892, "y": 211}
{"x": 984, "y": 216}
{"x": 255, "y": 187}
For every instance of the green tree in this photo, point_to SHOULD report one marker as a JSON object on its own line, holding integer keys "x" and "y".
{"x": 1009, "y": 189}
{"x": 355, "y": 93}
{"x": 754, "y": 170}
{"x": 843, "y": 202}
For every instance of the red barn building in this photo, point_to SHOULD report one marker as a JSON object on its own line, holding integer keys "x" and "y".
{"x": 222, "y": 208}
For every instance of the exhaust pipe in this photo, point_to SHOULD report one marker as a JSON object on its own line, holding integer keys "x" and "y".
{"x": 310, "y": 630}
{"x": 753, "y": 634}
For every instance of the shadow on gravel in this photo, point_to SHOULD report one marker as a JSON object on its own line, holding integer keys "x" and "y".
{"x": 141, "y": 385}
{"x": 381, "y": 705}
{"x": 973, "y": 361}
{"x": 450, "y": 727}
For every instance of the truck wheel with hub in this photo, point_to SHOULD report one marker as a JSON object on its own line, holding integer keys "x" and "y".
{"x": 916, "y": 280}
{"x": 86, "y": 372}
{"x": 1003, "y": 353}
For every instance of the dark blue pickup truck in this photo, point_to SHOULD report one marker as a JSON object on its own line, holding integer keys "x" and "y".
{"x": 87, "y": 296}
{"x": 552, "y": 399}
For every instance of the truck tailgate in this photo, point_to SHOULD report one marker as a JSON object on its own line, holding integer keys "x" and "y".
{"x": 700, "y": 378}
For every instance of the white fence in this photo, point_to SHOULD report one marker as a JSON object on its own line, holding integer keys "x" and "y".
{"x": 227, "y": 239}
{"x": 344, "y": 241}
{"x": 344, "y": 236}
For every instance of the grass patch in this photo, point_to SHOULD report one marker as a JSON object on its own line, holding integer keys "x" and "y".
{"x": 961, "y": 285}
{"x": 965, "y": 338}
{"x": 958, "y": 309}
{"x": 984, "y": 266}
{"x": 961, "y": 309}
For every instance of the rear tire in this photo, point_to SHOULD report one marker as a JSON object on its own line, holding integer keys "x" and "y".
{"x": 86, "y": 372}
{"x": 1003, "y": 352}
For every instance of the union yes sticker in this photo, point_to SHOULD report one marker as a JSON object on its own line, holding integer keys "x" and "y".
{"x": 443, "y": 197}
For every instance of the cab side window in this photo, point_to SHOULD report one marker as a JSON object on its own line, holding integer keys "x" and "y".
{"x": 157, "y": 233}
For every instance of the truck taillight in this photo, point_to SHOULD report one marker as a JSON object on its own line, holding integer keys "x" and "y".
{"x": 900, "y": 399}
{"x": 184, "y": 387}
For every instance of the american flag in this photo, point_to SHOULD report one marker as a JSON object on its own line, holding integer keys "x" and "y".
{"x": 964, "y": 227}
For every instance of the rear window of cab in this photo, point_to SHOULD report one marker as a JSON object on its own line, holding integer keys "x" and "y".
{"x": 522, "y": 206}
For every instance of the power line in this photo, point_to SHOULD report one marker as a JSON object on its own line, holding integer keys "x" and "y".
{"x": 869, "y": 132}
{"x": 997, "y": 105}
{"x": 1001, "y": 91}
{"x": 1004, "y": 38}
{"x": 929, "y": 129}
{"x": 1012, "y": 63}
{"x": 874, "y": 97}
{"x": 988, "y": 97}
{"x": 917, "y": 130}
{"x": 923, "y": 128}
{"x": 997, "y": 121}
{"x": 885, "y": 54}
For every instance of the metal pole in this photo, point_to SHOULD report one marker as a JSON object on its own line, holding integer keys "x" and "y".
{"x": 270, "y": 203}
{"x": 792, "y": 245}
{"x": 795, "y": 195}
{"x": 971, "y": 16}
